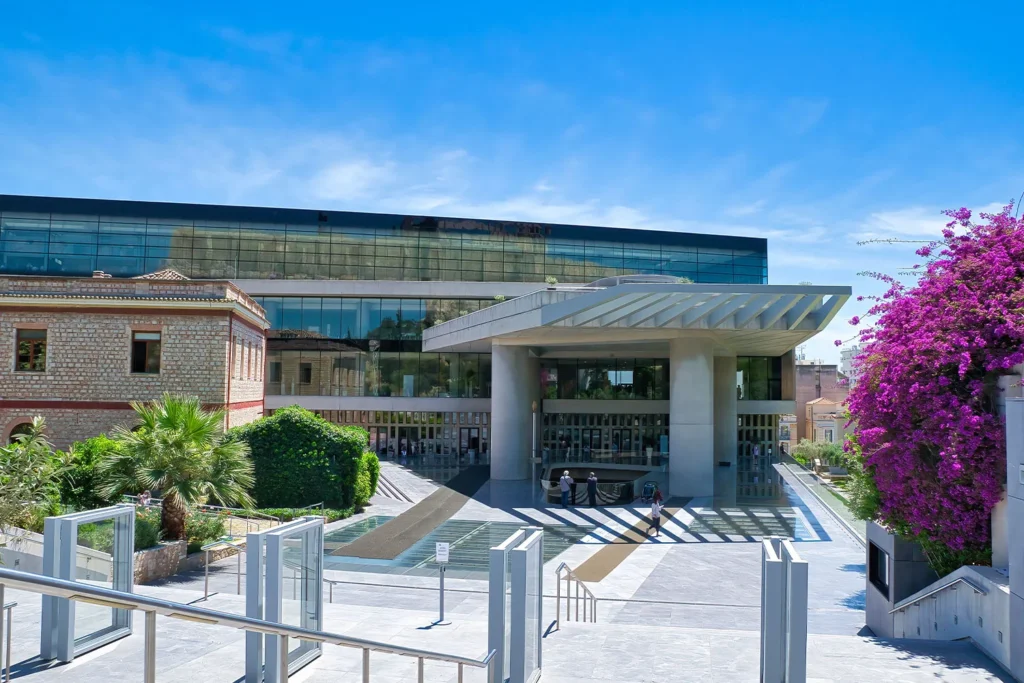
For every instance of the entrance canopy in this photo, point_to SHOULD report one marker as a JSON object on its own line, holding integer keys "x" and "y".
{"x": 740, "y": 319}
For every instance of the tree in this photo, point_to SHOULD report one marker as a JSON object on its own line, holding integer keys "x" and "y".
{"x": 29, "y": 473}
{"x": 924, "y": 409}
{"x": 180, "y": 451}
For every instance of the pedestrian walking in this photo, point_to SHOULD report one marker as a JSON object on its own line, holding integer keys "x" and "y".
{"x": 592, "y": 489}
{"x": 565, "y": 485}
{"x": 656, "y": 506}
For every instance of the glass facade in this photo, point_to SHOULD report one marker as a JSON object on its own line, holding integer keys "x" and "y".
{"x": 57, "y": 236}
{"x": 602, "y": 437}
{"x": 361, "y": 318}
{"x": 759, "y": 378}
{"x": 605, "y": 378}
{"x": 426, "y": 439}
{"x": 338, "y": 369}
{"x": 757, "y": 452}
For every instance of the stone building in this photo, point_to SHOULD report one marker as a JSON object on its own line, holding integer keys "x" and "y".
{"x": 815, "y": 380}
{"x": 78, "y": 350}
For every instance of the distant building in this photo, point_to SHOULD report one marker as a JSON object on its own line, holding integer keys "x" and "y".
{"x": 815, "y": 380}
{"x": 848, "y": 364}
{"x": 78, "y": 350}
{"x": 824, "y": 420}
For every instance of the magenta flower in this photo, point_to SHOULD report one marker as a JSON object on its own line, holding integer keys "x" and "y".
{"x": 920, "y": 417}
{"x": 855, "y": 320}
{"x": 839, "y": 342}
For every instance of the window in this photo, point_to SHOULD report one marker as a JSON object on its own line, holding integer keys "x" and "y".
{"x": 878, "y": 568}
{"x": 31, "y": 346}
{"x": 146, "y": 353}
{"x": 305, "y": 373}
{"x": 830, "y": 436}
{"x": 275, "y": 371}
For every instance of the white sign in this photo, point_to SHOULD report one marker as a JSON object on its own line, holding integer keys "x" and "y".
{"x": 441, "y": 553}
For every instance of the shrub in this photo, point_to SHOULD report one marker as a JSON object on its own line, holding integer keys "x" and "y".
{"x": 302, "y": 459}
{"x": 806, "y": 452}
{"x": 366, "y": 480}
{"x": 80, "y": 485}
{"x": 201, "y": 528}
{"x": 147, "y": 529}
{"x": 288, "y": 514}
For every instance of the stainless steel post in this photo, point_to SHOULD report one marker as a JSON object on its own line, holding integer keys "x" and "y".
{"x": 149, "y": 675}
{"x": 460, "y": 672}
{"x": 419, "y": 669}
{"x": 577, "y": 600}
{"x": 568, "y": 592}
{"x": 366, "y": 665}
{"x": 238, "y": 591}
{"x": 441, "y": 618}
{"x": 206, "y": 579}
{"x": 331, "y": 590}
{"x": 2, "y": 587}
{"x": 10, "y": 629}
{"x": 558, "y": 601}
{"x": 284, "y": 659}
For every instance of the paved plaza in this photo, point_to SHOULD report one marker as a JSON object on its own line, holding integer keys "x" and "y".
{"x": 684, "y": 607}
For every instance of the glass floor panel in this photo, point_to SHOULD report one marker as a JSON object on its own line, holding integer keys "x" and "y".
{"x": 470, "y": 542}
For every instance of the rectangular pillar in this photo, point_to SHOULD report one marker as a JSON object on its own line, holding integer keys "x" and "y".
{"x": 725, "y": 430}
{"x": 691, "y": 418}
{"x": 515, "y": 385}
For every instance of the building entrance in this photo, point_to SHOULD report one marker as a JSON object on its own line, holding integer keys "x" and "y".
{"x": 601, "y": 437}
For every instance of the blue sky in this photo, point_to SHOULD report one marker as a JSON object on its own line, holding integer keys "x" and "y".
{"x": 815, "y": 127}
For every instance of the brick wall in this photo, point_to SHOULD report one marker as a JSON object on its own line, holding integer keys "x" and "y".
{"x": 88, "y": 357}
{"x": 247, "y": 354}
{"x": 67, "y": 425}
{"x": 815, "y": 381}
{"x": 244, "y": 415}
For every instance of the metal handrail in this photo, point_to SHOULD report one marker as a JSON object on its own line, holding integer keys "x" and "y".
{"x": 222, "y": 542}
{"x": 589, "y": 599}
{"x": 5, "y": 660}
{"x": 156, "y": 502}
{"x": 314, "y": 505}
{"x": 904, "y": 604}
{"x": 106, "y": 597}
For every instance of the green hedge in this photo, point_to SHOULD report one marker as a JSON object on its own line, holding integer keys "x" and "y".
{"x": 288, "y": 514}
{"x": 302, "y": 459}
{"x": 80, "y": 485}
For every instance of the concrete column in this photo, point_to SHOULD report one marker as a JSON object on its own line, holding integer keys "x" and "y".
{"x": 515, "y": 384}
{"x": 1015, "y": 529}
{"x": 725, "y": 429}
{"x": 691, "y": 419}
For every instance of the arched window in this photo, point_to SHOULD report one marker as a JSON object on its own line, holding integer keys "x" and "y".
{"x": 23, "y": 428}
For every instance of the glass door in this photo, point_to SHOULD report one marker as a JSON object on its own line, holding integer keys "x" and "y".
{"x": 469, "y": 444}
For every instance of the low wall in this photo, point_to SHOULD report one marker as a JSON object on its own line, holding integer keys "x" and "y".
{"x": 168, "y": 559}
{"x": 153, "y": 564}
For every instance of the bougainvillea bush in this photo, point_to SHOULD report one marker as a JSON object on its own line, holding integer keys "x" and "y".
{"x": 924, "y": 414}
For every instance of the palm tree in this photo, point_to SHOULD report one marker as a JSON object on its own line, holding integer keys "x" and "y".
{"x": 180, "y": 450}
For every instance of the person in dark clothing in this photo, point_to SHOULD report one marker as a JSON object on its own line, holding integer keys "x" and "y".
{"x": 592, "y": 489}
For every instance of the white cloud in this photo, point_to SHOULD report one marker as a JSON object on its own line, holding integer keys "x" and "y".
{"x": 352, "y": 180}
{"x": 746, "y": 209}
{"x": 912, "y": 222}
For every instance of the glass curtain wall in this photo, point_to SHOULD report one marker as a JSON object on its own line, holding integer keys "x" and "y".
{"x": 608, "y": 438}
{"x": 426, "y": 438}
{"x": 759, "y": 378}
{"x": 757, "y": 452}
{"x": 612, "y": 378}
{"x": 353, "y": 246}
{"x": 354, "y": 372}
